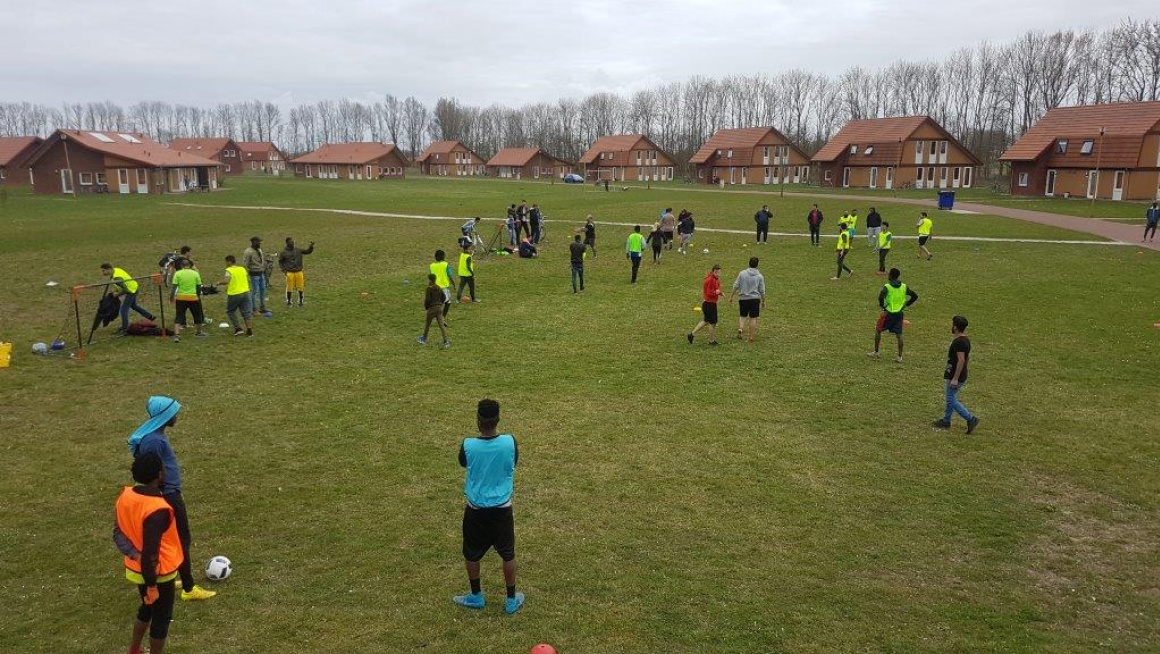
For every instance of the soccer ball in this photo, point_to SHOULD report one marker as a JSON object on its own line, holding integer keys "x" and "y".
{"x": 705, "y": 251}
{"x": 543, "y": 648}
{"x": 218, "y": 568}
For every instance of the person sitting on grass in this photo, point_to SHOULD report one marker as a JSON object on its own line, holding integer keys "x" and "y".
{"x": 433, "y": 304}
{"x": 527, "y": 250}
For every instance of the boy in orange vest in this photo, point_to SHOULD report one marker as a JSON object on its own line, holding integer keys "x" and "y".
{"x": 146, "y": 533}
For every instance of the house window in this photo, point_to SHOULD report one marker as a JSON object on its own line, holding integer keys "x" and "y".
{"x": 101, "y": 178}
{"x": 1061, "y": 146}
{"x": 1087, "y": 146}
{"x": 933, "y": 148}
{"x": 227, "y": 168}
{"x": 827, "y": 175}
{"x": 3, "y": 173}
{"x": 1024, "y": 179}
{"x": 853, "y": 149}
{"x": 869, "y": 150}
{"x": 942, "y": 147}
{"x": 730, "y": 155}
{"x": 86, "y": 179}
{"x": 920, "y": 172}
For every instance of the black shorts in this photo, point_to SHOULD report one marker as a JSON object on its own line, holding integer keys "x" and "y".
{"x": 923, "y": 239}
{"x": 750, "y": 308}
{"x": 667, "y": 236}
{"x": 192, "y": 306}
{"x": 484, "y": 529}
{"x": 709, "y": 312}
{"x": 891, "y": 322}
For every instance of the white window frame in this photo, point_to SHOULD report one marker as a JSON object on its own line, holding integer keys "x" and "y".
{"x": 101, "y": 179}
{"x": 853, "y": 150}
{"x": 1061, "y": 146}
{"x": 1088, "y": 146}
{"x": 869, "y": 150}
{"x": 828, "y": 176}
{"x": 968, "y": 176}
{"x": 81, "y": 177}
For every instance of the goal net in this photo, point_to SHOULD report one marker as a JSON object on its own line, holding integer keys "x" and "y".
{"x": 101, "y": 312}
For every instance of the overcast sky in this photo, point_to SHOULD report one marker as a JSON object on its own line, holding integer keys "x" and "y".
{"x": 481, "y": 51}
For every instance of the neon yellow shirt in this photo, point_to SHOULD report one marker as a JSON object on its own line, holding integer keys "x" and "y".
{"x": 239, "y": 281}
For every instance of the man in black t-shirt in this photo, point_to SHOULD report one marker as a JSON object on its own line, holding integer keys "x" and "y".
{"x": 958, "y": 358}
{"x": 590, "y": 235}
{"x": 577, "y": 251}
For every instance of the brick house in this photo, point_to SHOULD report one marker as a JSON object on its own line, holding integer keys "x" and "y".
{"x": 222, "y": 150}
{"x": 262, "y": 156}
{"x": 354, "y": 161}
{"x": 75, "y": 161}
{"x": 451, "y": 158}
{"x": 627, "y": 158}
{"x": 15, "y": 152}
{"x": 751, "y": 155}
{"x": 529, "y": 163}
{"x": 908, "y": 152}
{"x": 1104, "y": 150}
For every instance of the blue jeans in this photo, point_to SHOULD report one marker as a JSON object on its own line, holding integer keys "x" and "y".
{"x": 953, "y": 404}
{"x": 577, "y": 273}
{"x": 129, "y": 301}
{"x": 258, "y": 292}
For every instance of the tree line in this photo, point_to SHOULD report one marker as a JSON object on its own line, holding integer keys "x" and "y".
{"x": 986, "y": 96}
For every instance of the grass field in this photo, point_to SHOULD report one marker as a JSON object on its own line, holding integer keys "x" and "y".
{"x": 788, "y": 496}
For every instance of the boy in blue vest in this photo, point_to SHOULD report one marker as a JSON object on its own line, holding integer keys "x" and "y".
{"x": 490, "y": 459}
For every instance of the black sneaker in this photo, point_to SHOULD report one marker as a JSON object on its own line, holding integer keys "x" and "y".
{"x": 941, "y": 424}
{"x": 971, "y": 424}
{"x": 689, "y": 336}
{"x": 713, "y": 343}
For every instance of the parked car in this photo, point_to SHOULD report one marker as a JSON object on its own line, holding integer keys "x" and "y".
{"x": 573, "y": 178}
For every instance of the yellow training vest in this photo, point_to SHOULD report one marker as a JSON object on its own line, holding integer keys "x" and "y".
{"x": 895, "y": 298}
{"x": 122, "y": 276}
{"x": 851, "y": 221}
{"x": 439, "y": 269}
{"x": 464, "y": 271}
{"x": 884, "y": 240}
{"x": 843, "y": 241}
{"x": 924, "y": 227}
{"x": 239, "y": 281}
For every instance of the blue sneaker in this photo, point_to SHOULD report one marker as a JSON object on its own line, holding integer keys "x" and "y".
{"x": 471, "y": 600}
{"x": 514, "y": 604}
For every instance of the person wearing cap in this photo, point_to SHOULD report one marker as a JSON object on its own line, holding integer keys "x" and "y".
{"x": 894, "y": 298}
{"x": 254, "y": 261}
{"x": 145, "y": 532}
{"x": 490, "y": 460}
{"x": 126, "y": 288}
{"x": 710, "y": 294}
{"x": 290, "y": 262}
{"x": 150, "y": 438}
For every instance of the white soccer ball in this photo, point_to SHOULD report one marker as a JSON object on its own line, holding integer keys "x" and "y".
{"x": 224, "y": 325}
{"x": 705, "y": 251}
{"x": 218, "y": 568}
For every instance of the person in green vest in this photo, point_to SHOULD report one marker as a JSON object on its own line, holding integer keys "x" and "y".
{"x": 852, "y": 223}
{"x": 444, "y": 278}
{"x": 467, "y": 272}
{"x": 885, "y": 242}
{"x": 925, "y": 224}
{"x": 126, "y": 288}
{"x": 893, "y": 298}
{"x": 843, "y": 249}
{"x": 634, "y": 250}
{"x": 237, "y": 283}
{"x": 185, "y": 294}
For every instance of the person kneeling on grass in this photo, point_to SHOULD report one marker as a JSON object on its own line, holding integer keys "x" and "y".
{"x": 893, "y": 298}
{"x": 433, "y": 303}
{"x": 237, "y": 283}
{"x": 490, "y": 460}
{"x": 186, "y": 295}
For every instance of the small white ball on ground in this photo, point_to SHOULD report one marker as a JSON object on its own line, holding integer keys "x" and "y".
{"x": 705, "y": 251}
{"x": 218, "y": 568}
{"x": 744, "y": 245}
{"x": 224, "y": 325}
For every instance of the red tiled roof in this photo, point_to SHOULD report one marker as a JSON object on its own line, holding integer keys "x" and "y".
{"x": 870, "y": 131}
{"x": 746, "y": 138}
{"x": 202, "y": 147}
{"x": 1120, "y": 121}
{"x": 618, "y": 143}
{"x": 444, "y": 147}
{"x": 146, "y": 151}
{"x": 520, "y": 157}
{"x": 16, "y": 146}
{"x": 348, "y": 153}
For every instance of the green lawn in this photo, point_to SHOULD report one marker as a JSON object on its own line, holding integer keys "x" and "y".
{"x": 784, "y": 497}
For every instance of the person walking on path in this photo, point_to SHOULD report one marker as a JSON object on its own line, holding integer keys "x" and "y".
{"x": 894, "y": 298}
{"x": 885, "y": 243}
{"x": 1152, "y": 218}
{"x": 145, "y": 532}
{"x": 254, "y": 261}
{"x": 238, "y": 296}
{"x": 488, "y": 521}
{"x": 814, "y": 219}
{"x": 467, "y": 272}
{"x": 750, "y": 287}
{"x": 668, "y": 227}
{"x": 590, "y": 235}
{"x": 843, "y": 249}
{"x": 126, "y": 288}
{"x": 433, "y": 299}
{"x": 576, "y": 253}
{"x": 290, "y": 262}
{"x": 185, "y": 294}
{"x": 656, "y": 239}
{"x": 151, "y": 438}
{"x": 686, "y": 225}
{"x": 445, "y": 277}
{"x": 634, "y": 250}
{"x": 955, "y": 376}
{"x": 710, "y": 294}
{"x": 762, "y": 218}
{"x": 925, "y": 225}
{"x": 873, "y": 226}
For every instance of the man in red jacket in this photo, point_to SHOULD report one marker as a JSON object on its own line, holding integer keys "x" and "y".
{"x": 710, "y": 293}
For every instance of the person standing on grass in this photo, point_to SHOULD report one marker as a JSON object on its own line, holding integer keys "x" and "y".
{"x": 710, "y": 294}
{"x": 576, "y": 253}
{"x": 656, "y": 239}
{"x": 185, "y": 293}
{"x": 513, "y": 226}
{"x": 490, "y": 459}
{"x": 467, "y": 272}
{"x": 433, "y": 299}
{"x": 925, "y": 225}
{"x": 126, "y": 288}
{"x": 445, "y": 278}
{"x": 522, "y": 219}
{"x": 150, "y": 439}
{"x": 290, "y": 261}
{"x": 762, "y": 218}
{"x": 238, "y": 297}
{"x": 535, "y": 219}
{"x": 685, "y": 228}
{"x": 145, "y": 532}
{"x": 750, "y": 286}
{"x": 634, "y": 250}
{"x": 843, "y": 249}
{"x": 590, "y": 235}
{"x": 894, "y": 298}
{"x": 254, "y": 261}
{"x": 873, "y": 226}
{"x": 1152, "y": 218}
{"x": 814, "y": 219}
{"x": 955, "y": 376}
{"x": 668, "y": 227}
{"x": 852, "y": 224}
{"x": 885, "y": 243}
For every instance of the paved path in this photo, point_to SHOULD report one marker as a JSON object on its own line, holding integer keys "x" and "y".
{"x": 715, "y": 230}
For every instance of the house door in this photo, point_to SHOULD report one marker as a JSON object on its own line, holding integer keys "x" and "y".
{"x": 142, "y": 180}
{"x": 66, "y": 181}
{"x": 213, "y": 179}
{"x": 122, "y": 180}
{"x": 1049, "y": 190}
{"x": 744, "y": 175}
{"x": 732, "y": 175}
{"x": 845, "y": 178}
{"x": 1093, "y": 185}
{"x": 873, "y": 177}
{"x": 1118, "y": 185}
{"x": 956, "y": 177}
{"x": 889, "y": 177}
{"x": 930, "y": 177}
{"x": 768, "y": 175}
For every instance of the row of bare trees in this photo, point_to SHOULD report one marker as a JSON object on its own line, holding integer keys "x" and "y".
{"x": 985, "y": 95}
